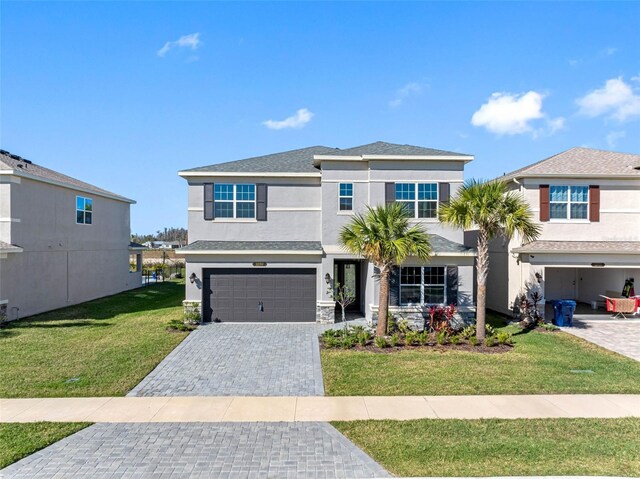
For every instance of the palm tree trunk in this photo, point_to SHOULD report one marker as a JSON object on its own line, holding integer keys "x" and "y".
{"x": 383, "y": 302}
{"x": 482, "y": 272}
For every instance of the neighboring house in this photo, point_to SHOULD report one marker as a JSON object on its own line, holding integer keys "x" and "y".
{"x": 162, "y": 244}
{"x": 62, "y": 241}
{"x": 588, "y": 204}
{"x": 264, "y": 232}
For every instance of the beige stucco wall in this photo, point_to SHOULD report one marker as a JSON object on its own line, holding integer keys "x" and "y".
{"x": 619, "y": 221}
{"x": 63, "y": 263}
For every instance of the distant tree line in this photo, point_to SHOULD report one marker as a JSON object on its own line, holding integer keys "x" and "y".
{"x": 168, "y": 234}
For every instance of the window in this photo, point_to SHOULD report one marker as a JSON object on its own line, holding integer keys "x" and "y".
{"x": 234, "y": 201}
{"x": 84, "y": 210}
{"x": 420, "y": 198}
{"x": 568, "y": 202}
{"x": 345, "y": 197}
{"x": 422, "y": 285}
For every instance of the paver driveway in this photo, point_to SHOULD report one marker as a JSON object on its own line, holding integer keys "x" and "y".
{"x": 621, "y": 336}
{"x": 240, "y": 360}
{"x": 172, "y": 450}
{"x": 216, "y": 360}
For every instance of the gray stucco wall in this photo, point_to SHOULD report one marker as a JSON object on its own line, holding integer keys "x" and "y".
{"x": 293, "y": 212}
{"x": 63, "y": 263}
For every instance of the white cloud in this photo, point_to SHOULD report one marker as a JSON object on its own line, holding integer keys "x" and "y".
{"x": 610, "y": 51}
{"x": 511, "y": 114}
{"x": 187, "y": 41}
{"x": 555, "y": 124}
{"x": 299, "y": 120}
{"x": 405, "y": 92}
{"x": 617, "y": 99}
{"x": 614, "y": 136}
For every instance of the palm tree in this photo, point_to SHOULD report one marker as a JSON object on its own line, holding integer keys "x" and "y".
{"x": 383, "y": 236}
{"x": 494, "y": 211}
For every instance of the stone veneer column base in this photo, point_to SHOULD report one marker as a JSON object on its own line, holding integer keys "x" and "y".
{"x": 192, "y": 305}
{"x": 325, "y": 312}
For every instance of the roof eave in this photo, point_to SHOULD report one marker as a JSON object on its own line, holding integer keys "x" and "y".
{"x": 591, "y": 251}
{"x": 182, "y": 251}
{"x": 569, "y": 175}
{"x": 317, "y": 159}
{"x": 249, "y": 174}
{"x": 62, "y": 184}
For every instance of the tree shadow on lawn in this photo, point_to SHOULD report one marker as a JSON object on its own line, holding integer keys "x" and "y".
{"x": 141, "y": 300}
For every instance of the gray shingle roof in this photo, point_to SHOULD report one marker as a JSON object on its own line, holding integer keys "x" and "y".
{"x": 9, "y": 161}
{"x": 274, "y": 246}
{"x": 582, "y": 161}
{"x": 301, "y": 161}
{"x": 439, "y": 244}
{"x": 581, "y": 247}
{"x": 293, "y": 161}
{"x": 392, "y": 149}
{"x": 443, "y": 245}
{"x": 7, "y": 247}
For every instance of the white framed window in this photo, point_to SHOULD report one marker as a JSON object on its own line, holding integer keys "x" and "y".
{"x": 420, "y": 285}
{"x": 234, "y": 200}
{"x": 84, "y": 210}
{"x": 420, "y": 198}
{"x": 568, "y": 202}
{"x": 345, "y": 197}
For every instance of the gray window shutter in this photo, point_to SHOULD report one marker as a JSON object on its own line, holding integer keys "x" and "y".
{"x": 445, "y": 192}
{"x": 452, "y": 285}
{"x": 394, "y": 287}
{"x": 261, "y": 202}
{"x": 208, "y": 201}
{"x": 389, "y": 193}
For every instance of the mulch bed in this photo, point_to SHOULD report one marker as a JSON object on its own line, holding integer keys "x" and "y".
{"x": 441, "y": 348}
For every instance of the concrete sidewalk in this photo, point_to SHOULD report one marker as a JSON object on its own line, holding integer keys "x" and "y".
{"x": 312, "y": 409}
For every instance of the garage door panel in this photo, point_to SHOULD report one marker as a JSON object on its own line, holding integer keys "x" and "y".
{"x": 234, "y": 294}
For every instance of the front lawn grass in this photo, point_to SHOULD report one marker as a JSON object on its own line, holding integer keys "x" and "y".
{"x": 539, "y": 363}
{"x": 18, "y": 440}
{"x": 105, "y": 347}
{"x": 497, "y": 447}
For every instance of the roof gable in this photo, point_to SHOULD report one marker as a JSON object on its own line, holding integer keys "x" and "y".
{"x": 580, "y": 161}
{"x": 28, "y": 169}
{"x": 293, "y": 161}
{"x": 381, "y": 148}
{"x": 302, "y": 161}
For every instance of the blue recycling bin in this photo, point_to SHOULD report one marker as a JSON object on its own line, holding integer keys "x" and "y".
{"x": 563, "y": 312}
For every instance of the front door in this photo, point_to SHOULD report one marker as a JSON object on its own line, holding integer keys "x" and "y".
{"x": 348, "y": 273}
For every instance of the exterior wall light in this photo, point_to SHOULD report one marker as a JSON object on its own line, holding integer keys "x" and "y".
{"x": 192, "y": 278}
{"x": 327, "y": 278}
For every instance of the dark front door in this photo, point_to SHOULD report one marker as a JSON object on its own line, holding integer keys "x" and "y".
{"x": 348, "y": 273}
{"x": 259, "y": 295}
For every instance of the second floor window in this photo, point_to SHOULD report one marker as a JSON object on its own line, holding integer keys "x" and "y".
{"x": 234, "y": 200}
{"x": 84, "y": 210}
{"x": 345, "y": 199}
{"x": 568, "y": 202}
{"x": 420, "y": 198}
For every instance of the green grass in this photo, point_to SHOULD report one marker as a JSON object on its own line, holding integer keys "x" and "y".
{"x": 539, "y": 363}
{"x": 523, "y": 447}
{"x": 109, "y": 344}
{"x": 20, "y": 440}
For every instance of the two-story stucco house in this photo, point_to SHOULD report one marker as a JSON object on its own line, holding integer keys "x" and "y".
{"x": 62, "y": 241}
{"x": 588, "y": 204}
{"x": 264, "y": 232}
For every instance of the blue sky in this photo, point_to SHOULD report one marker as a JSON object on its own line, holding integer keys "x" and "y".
{"x": 123, "y": 95}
